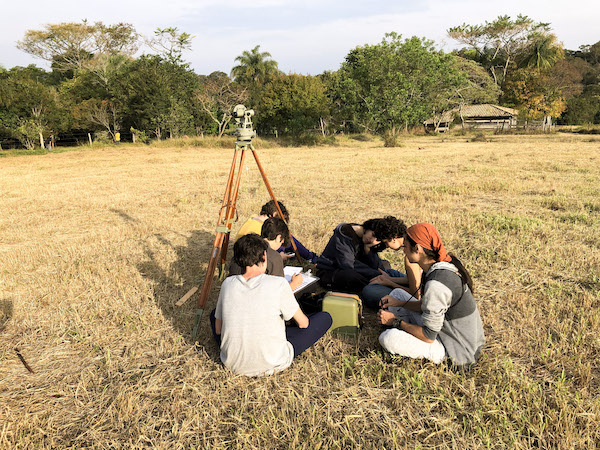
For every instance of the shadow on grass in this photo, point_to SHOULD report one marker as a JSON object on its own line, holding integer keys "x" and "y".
{"x": 6, "y": 312}
{"x": 173, "y": 282}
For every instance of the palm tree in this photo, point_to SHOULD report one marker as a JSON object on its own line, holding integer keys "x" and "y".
{"x": 254, "y": 66}
{"x": 543, "y": 52}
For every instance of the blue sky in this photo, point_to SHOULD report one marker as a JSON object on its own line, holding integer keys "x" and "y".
{"x": 302, "y": 36}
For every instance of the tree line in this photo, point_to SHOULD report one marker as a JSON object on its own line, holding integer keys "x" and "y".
{"x": 97, "y": 84}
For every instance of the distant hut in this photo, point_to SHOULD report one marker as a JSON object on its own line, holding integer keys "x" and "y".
{"x": 475, "y": 116}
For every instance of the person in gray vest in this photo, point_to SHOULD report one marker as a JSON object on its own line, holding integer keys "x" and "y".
{"x": 445, "y": 322}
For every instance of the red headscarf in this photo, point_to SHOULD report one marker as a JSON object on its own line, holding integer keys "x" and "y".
{"x": 427, "y": 236}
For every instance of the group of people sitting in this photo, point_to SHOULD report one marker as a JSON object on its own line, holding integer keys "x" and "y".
{"x": 429, "y": 311}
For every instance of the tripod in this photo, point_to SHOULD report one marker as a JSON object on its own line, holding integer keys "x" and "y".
{"x": 243, "y": 144}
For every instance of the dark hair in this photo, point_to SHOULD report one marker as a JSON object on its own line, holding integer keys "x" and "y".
{"x": 249, "y": 250}
{"x": 386, "y": 229}
{"x": 464, "y": 275}
{"x": 269, "y": 209}
{"x": 273, "y": 227}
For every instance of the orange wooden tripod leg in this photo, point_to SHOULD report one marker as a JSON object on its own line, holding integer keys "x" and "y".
{"x": 223, "y": 229}
{"x": 229, "y": 219}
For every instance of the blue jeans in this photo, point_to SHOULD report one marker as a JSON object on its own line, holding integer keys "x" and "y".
{"x": 373, "y": 293}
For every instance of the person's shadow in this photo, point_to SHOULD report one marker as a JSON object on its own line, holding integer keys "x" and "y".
{"x": 172, "y": 283}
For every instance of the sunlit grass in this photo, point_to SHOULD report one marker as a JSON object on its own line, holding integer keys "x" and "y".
{"x": 97, "y": 245}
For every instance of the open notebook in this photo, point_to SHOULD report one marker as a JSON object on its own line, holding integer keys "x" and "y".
{"x": 307, "y": 278}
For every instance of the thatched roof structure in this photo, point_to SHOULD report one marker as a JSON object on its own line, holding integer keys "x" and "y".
{"x": 485, "y": 111}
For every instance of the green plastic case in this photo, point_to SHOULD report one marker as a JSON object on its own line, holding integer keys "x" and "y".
{"x": 346, "y": 312}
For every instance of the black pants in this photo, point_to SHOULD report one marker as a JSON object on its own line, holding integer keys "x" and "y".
{"x": 342, "y": 280}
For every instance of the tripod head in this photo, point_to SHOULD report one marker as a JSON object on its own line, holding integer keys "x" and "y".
{"x": 244, "y": 131}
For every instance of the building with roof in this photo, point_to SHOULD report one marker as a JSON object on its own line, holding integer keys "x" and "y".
{"x": 485, "y": 116}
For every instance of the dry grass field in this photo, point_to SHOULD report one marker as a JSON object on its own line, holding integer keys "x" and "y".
{"x": 97, "y": 245}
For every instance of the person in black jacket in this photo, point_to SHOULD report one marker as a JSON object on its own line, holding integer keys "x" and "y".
{"x": 350, "y": 259}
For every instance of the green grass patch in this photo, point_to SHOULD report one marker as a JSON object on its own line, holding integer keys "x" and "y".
{"x": 505, "y": 223}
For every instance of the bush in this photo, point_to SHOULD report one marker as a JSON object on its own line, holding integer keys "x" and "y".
{"x": 390, "y": 140}
{"x": 480, "y": 137}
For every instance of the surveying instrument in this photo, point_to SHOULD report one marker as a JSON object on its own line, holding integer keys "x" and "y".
{"x": 244, "y": 133}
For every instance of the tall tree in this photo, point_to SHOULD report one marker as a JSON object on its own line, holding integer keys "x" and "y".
{"x": 73, "y": 46}
{"x": 497, "y": 44}
{"x": 293, "y": 104}
{"x": 218, "y": 96}
{"x": 254, "y": 67}
{"x": 532, "y": 93}
{"x": 156, "y": 95}
{"x": 170, "y": 43}
{"x": 29, "y": 109}
{"x": 396, "y": 83}
{"x": 542, "y": 53}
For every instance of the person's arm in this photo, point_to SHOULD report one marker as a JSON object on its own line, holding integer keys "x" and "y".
{"x": 301, "y": 249}
{"x": 296, "y": 281}
{"x": 390, "y": 301}
{"x": 301, "y": 319}
{"x": 385, "y": 280}
{"x": 345, "y": 256}
{"x": 218, "y": 326}
{"x": 387, "y": 318}
{"x": 414, "y": 275}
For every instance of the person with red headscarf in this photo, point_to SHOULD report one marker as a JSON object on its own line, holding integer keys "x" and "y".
{"x": 445, "y": 322}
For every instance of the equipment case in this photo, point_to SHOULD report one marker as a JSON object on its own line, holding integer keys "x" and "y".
{"x": 346, "y": 312}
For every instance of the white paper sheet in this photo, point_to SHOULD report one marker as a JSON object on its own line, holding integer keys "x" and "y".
{"x": 307, "y": 277}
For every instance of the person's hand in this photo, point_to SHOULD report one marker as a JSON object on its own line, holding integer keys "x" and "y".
{"x": 296, "y": 281}
{"x": 388, "y": 301}
{"x": 385, "y": 317}
{"x": 384, "y": 279}
{"x": 285, "y": 256}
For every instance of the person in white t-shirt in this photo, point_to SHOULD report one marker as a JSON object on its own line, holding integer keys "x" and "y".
{"x": 249, "y": 321}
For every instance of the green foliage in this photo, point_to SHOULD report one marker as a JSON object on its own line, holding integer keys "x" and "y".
{"x": 390, "y": 140}
{"x": 157, "y": 96}
{"x": 584, "y": 108}
{"x": 254, "y": 67}
{"x": 29, "y": 109}
{"x": 499, "y": 44}
{"x": 170, "y": 43}
{"x": 395, "y": 83}
{"x": 140, "y": 135}
{"x": 74, "y": 46}
{"x": 583, "y": 105}
{"x": 292, "y": 104}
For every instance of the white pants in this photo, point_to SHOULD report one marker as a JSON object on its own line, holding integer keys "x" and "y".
{"x": 405, "y": 344}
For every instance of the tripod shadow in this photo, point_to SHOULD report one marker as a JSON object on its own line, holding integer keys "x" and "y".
{"x": 173, "y": 282}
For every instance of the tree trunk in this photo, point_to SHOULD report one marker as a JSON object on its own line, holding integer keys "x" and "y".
{"x": 133, "y": 137}
{"x": 42, "y": 140}
{"x": 90, "y": 138}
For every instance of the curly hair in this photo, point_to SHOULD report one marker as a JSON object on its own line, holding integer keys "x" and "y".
{"x": 386, "y": 229}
